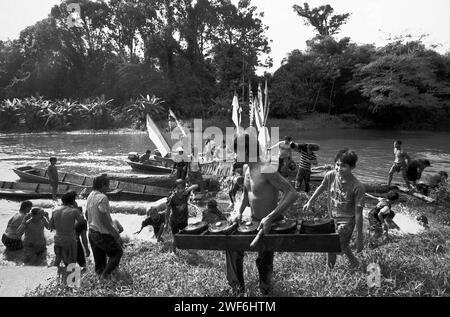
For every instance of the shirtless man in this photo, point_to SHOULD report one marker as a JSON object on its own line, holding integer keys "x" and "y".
{"x": 261, "y": 189}
{"x": 285, "y": 155}
{"x": 400, "y": 163}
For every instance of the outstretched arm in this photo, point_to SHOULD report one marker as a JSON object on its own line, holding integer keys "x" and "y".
{"x": 275, "y": 145}
{"x": 312, "y": 200}
{"x": 191, "y": 188}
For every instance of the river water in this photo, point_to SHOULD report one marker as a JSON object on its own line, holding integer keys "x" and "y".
{"x": 95, "y": 153}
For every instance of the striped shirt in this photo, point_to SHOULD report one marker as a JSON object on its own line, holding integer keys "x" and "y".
{"x": 304, "y": 160}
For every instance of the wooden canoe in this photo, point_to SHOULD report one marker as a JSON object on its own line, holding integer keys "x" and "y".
{"x": 18, "y": 190}
{"x": 119, "y": 191}
{"x": 149, "y": 168}
{"x": 270, "y": 242}
{"x": 123, "y": 190}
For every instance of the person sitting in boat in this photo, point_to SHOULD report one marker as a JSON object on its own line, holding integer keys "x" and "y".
{"x": 181, "y": 163}
{"x": 212, "y": 214}
{"x": 144, "y": 158}
{"x": 210, "y": 148}
{"x": 157, "y": 153}
{"x": 415, "y": 170}
{"x": 432, "y": 182}
{"x": 177, "y": 212}
{"x": 34, "y": 242}
{"x": 381, "y": 217}
{"x": 10, "y": 238}
{"x": 194, "y": 170}
{"x": 52, "y": 173}
{"x": 236, "y": 185}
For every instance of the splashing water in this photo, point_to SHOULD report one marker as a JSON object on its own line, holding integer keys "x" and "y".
{"x": 407, "y": 224}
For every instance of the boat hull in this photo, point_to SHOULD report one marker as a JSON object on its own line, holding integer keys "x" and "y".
{"x": 149, "y": 168}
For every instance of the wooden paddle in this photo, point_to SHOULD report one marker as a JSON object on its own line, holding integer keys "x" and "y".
{"x": 256, "y": 240}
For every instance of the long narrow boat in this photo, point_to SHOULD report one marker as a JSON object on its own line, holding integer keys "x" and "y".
{"x": 149, "y": 168}
{"x": 18, "y": 190}
{"x": 123, "y": 190}
{"x": 119, "y": 191}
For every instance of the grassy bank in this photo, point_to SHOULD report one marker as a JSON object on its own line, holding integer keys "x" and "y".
{"x": 411, "y": 265}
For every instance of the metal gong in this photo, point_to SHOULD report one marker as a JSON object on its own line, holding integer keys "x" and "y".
{"x": 196, "y": 228}
{"x": 284, "y": 226}
{"x": 249, "y": 227}
{"x": 222, "y": 227}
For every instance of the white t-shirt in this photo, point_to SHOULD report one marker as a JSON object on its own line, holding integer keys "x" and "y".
{"x": 97, "y": 203}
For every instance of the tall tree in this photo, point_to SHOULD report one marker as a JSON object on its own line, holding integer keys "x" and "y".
{"x": 322, "y": 18}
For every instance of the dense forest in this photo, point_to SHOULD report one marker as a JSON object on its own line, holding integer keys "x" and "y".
{"x": 193, "y": 55}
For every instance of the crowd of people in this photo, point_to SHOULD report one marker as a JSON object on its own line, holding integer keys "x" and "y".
{"x": 77, "y": 233}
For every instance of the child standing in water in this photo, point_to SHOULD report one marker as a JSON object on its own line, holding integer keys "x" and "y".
{"x": 401, "y": 160}
{"x": 345, "y": 204}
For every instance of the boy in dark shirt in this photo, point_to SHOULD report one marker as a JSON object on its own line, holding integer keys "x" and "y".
{"x": 177, "y": 212}
{"x": 52, "y": 173}
{"x": 213, "y": 214}
{"x": 144, "y": 158}
{"x": 415, "y": 169}
{"x": 307, "y": 157}
{"x": 156, "y": 220}
{"x": 380, "y": 217}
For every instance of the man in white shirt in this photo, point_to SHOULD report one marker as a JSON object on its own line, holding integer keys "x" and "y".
{"x": 103, "y": 236}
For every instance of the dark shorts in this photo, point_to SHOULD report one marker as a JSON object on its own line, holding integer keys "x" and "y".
{"x": 345, "y": 231}
{"x": 375, "y": 226}
{"x": 178, "y": 226}
{"x": 12, "y": 244}
{"x": 105, "y": 242}
{"x": 32, "y": 249}
{"x": 397, "y": 167}
{"x": 66, "y": 253}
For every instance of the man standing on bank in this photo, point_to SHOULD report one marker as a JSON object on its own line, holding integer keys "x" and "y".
{"x": 261, "y": 188}
{"x": 52, "y": 173}
{"x": 103, "y": 237}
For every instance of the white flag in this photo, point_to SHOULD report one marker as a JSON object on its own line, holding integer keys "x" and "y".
{"x": 235, "y": 114}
